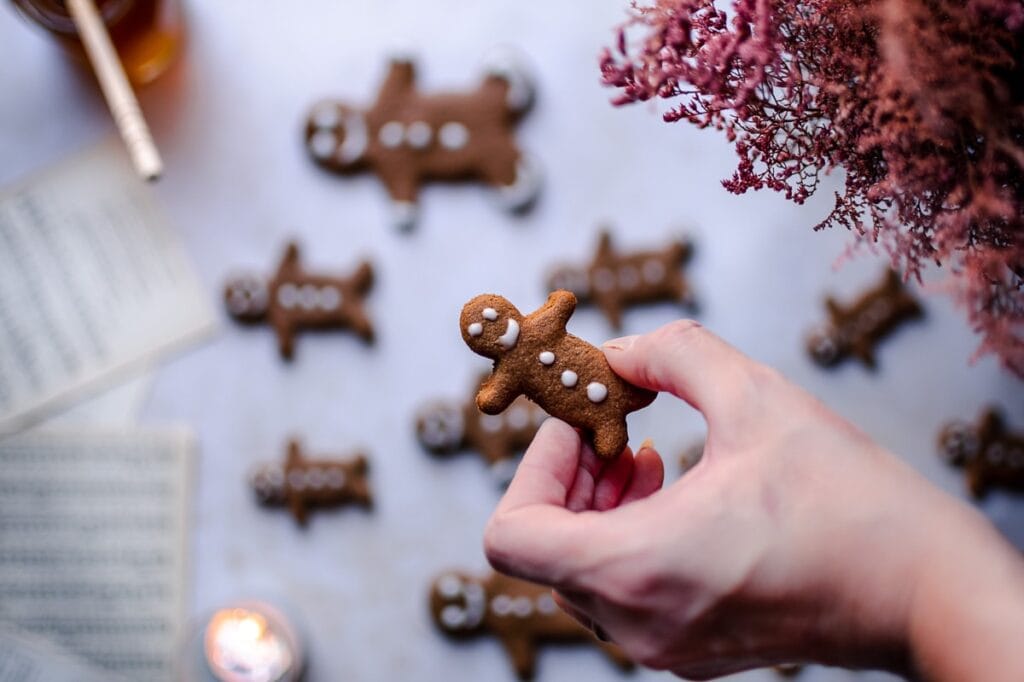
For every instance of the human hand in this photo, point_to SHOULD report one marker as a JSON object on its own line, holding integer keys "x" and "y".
{"x": 796, "y": 538}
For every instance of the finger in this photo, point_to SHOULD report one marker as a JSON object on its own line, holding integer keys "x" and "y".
{"x": 531, "y": 534}
{"x": 614, "y": 481}
{"x": 581, "y": 493}
{"x": 548, "y": 469}
{"x": 648, "y": 476}
{"x": 578, "y": 614}
{"x": 686, "y": 360}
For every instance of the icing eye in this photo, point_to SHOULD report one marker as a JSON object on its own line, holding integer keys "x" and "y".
{"x": 475, "y": 329}
{"x": 490, "y": 314}
{"x": 449, "y": 586}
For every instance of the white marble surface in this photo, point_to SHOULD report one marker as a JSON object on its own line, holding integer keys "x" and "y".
{"x": 228, "y": 121}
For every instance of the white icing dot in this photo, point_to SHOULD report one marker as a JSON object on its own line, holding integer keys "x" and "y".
{"x": 546, "y": 604}
{"x": 329, "y": 298}
{"x": 288, "y": 296}
{"x": 501, "y": 605}
{"x": 546, "y": 358}
{"x": 326, "y": 116}
{"x": 316, "y": 479}
{"x": 276, "y": 477}
{"x": 391, "y": 134}
{"x": 596, "y": 391}
{"x": 335, "y": 479}
{"x": 453, "y": 135}
{"x": 296, "y": 480}
{"x": 418, "y": 135}
{"x": 490, "y": 314}
{"x": 569, "y": 378}
{"x": 518, "y": 417}
{"x": 453, "y": 617}
{"x": 628, "y": 277}
{"x": 475, "y": 329}
{"x": 449, "y": 586}
{"x": 323, "y": 143}
{"x": 308, "y": 296}
{"x": 491, "y": 423}
{"x": 522, "y": 606}
{"x": 653, "y": 271}
{"x": 604, "y": 279}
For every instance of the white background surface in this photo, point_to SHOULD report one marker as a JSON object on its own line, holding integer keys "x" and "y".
{"x": 228, "y": 120}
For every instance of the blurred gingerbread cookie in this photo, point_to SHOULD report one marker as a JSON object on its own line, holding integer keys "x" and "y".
{"x": 292, "y": 300}
{"x": 302, "y": 484}
{"x": 407, "y": 137}
{"x": 520, "y": 614}
{"x": 990, "y": 454}
{"x": 614, "y": 281}
{"x": 856, "y": 330}
{"x": 444, "y": 427}
{"x": 535, "y": 356}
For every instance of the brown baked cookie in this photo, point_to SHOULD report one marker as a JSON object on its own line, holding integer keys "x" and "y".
{"x": 446, "y": 427}
{"x": 520, "y": 614}
{"x": 855, "y": 330}
{"x": 989, "y": 453}
{"x": 293, "y": 300}
{"x": 535, "y": 356}
{"x": 614, "y": 281}
{"x": 408, "y": 138}
{"x": 304, "y": 484}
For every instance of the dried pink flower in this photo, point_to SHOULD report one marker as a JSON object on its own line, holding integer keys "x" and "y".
{"x": 920, "y": 102}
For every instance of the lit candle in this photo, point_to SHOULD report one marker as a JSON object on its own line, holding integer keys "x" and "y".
{"x": 251, "y": 642}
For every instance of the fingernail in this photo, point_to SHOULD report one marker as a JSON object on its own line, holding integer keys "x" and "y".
{"x": 621, "y": 343}
{"x": 648, "y": 444}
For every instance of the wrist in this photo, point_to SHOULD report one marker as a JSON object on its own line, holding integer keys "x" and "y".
{"x": 967, "y": 613}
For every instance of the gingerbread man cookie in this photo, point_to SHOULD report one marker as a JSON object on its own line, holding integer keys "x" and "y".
{"x": 614, "y": 281}
{"x": 407, "y": 137}
{"x": 535, "y": 356}
{"x": 303, "y": 484}
{"x": 990, "y": 454}
{"x": 293, "y": 300}
{"x": 855, "y": 330}
{"x": 445, "y": 427}
{"x": 520, "y": 614}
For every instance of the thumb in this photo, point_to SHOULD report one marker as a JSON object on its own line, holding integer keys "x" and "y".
{"x": 685, "y": 359}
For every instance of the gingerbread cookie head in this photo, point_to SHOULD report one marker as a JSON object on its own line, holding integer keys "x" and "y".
{"x": 247, "y": 298}
{"x": 458, "y": 602}
{"x": 337, "y": 137}
{"x": 825, "y": 346}
{"x": 959, "y": 442}
{"x": 440, "y": 427}
{"x": 490, "y": 325}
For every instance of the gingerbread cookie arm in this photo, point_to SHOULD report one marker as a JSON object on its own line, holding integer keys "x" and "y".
{"x": 296, "y": 505}
{"x": 991, "y": 426}
{"x": 556, "y": 310}
{"x": 284, "y": 330}
{"x": 497, "y": 392}
{"x": 289, "y": 266}
{"x": 399, "y": 83}
{"x": 605, "y": 251}
{"x": 522, "y": 652}
{"x": 865, "y": 352}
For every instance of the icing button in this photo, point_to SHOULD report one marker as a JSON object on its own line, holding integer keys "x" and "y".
{"x": 596, "y": 391}
{"x": 569, "y": 378}
{"x": 546, "y": 358}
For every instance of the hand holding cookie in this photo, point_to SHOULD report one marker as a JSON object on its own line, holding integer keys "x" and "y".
{"x": 535, "y": 356}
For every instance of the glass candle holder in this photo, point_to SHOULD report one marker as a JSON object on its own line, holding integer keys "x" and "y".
{"x": 147, "y": 34}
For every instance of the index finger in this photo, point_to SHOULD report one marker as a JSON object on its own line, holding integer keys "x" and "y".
{"x": 532, "y": 535}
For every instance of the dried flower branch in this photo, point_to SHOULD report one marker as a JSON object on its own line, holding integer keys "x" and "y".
{"x": 920, "y": 102}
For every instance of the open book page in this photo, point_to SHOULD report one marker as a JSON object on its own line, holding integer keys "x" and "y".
{"x": 93, "y": 284}
{"x": 27, "y": 658}
{"x": 93, "y": 543}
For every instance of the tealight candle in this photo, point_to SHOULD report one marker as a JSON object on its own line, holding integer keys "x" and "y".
{"x": 251, "y": 642}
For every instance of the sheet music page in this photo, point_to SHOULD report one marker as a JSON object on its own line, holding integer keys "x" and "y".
{"x": 93, "y": 543}
{"x": 26, "y": 658}
{"x": 93, "y": 284}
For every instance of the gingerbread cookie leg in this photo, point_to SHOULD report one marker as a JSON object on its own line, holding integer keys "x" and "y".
{"x": 522, "y": 652}
{"x": 402, "y": 184}
{"x": 610, "y": 439}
